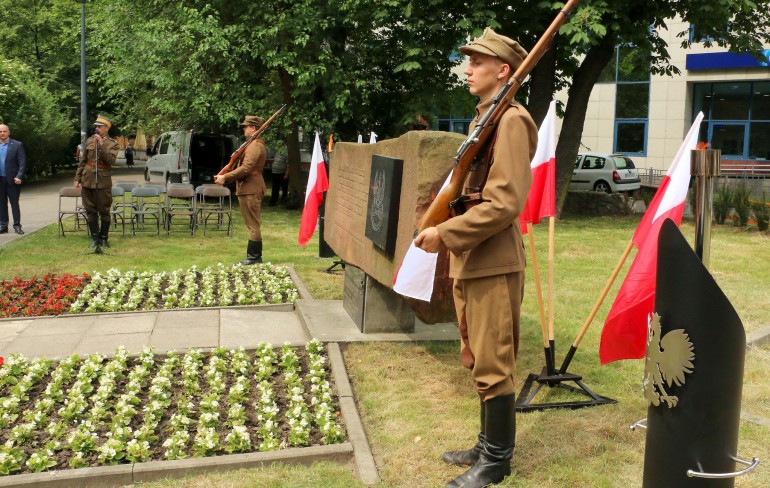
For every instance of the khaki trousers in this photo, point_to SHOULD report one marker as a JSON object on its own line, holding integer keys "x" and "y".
{"x": 251, "y": 209}
{"x": 97, "y": 202}
{"x": 488, "y": 311}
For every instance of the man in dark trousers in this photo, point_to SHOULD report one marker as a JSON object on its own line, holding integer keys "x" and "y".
{"x": 250, "y": 186}
{"x": 487, "y": 261}
{"x": 94, "y": 176}
{"x": 13, "y": 162}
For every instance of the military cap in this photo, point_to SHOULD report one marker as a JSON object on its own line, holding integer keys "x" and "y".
{"x": 102, "y": 120}
{"x": 252, "y": 120}
{"x": 493, "y": 44}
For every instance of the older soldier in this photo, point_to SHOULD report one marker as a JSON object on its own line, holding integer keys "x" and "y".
{"x": 487, "y": 261}
{"x": 250, "y": 186}
{"x": 95, "y": 179}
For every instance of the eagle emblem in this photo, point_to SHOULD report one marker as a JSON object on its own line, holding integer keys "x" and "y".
{"x": 668, "y": 359}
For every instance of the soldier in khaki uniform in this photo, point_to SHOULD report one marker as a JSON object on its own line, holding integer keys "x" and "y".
{"x": 94, "y": 176}
{"x": 487, "y": 261}
{"x": 250, "y": 186}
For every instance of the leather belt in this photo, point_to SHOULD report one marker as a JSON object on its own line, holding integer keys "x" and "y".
{"x": 90, "y": 164}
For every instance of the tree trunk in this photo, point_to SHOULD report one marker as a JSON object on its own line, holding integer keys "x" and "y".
{"x": 575, "y": 113}
{"x": 542, "y": 83}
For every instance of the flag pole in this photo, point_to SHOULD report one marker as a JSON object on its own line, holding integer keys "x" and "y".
{"x": 546, "y": 345}
{"x": 551, "y": 252}
{"x": 602, "y": 296}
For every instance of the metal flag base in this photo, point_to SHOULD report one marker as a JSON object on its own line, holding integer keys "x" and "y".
{"x": 557, "y": 380}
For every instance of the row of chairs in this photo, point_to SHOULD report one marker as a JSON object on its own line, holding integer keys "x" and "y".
{"x": 154, "y": 206}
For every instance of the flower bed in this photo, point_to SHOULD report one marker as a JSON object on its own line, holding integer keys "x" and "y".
{"x": 125, "y": 291}
{"x": 49, "y": 295}
{"x": 94, "y": 411}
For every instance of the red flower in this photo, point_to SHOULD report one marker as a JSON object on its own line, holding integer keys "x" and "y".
{"x": 1, "y": 360}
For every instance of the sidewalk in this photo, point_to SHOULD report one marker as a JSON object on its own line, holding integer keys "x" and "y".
{"x": 39, "y": 202}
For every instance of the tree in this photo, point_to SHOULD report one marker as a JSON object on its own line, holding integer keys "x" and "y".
{"x": 32, "y": 113}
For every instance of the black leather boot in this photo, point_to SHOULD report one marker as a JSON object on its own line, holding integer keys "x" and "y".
{"x": 93, "y": 228}
{"x": 494, "y": 462}
{"x": 470, "y": 456}
{"x": 104, "y": 232}
{"x": 253, "y": 253}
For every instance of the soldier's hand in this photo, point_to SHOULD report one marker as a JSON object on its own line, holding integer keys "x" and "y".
{"x": 219, "y": 179}
{"x": 429, "y": 240}
{"x": 77, "y": 184}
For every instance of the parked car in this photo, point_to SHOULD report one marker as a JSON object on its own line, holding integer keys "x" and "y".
{"x": 604, "y": 172}
{"x": 189, "y": 157}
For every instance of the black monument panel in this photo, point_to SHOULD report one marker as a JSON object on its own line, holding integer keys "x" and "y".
{"x": 384, "y": 198}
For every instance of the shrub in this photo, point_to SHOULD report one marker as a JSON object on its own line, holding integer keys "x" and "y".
{"x": 761, "y": 213}
{"x": 723, "y": 202}
{"x": 741, "y": 204}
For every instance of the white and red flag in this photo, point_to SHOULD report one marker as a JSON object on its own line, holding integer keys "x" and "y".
{"x": 541, "y": 201}
{"x": 414, "y": 278}
{"x": 625, "y": 331}
{"x": 317, "y": 184}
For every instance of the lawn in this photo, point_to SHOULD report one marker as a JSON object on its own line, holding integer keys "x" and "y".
{"x": 416, "y": 400}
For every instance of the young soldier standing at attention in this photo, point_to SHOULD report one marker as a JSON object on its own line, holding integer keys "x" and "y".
{"x": 487, "y": 261}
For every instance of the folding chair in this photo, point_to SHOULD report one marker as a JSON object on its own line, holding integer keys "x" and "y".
{"x": 127, "y": 186}
{"x": 180, "y": 202}
{"x": 146, "y": 204}
{"x": 119, "y": 205}
{"x": 215, "y": 202}
{"x": 76, "y": 209}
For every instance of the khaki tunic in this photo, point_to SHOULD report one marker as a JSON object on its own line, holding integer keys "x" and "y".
{"x": 250, "y": 186}
{"x": 487, "y": 257}
{"x": 97, "y": 187}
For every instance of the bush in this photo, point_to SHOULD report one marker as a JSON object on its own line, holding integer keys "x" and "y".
{"x": 741, "y": 204}
{"x": 723, "y": 202}
{"x": 761, "y": 213}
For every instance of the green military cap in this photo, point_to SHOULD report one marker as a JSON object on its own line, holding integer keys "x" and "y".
{"x": 494, "y": 44}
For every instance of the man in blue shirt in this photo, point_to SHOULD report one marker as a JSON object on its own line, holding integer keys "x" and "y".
{"x": 13, "y": 162}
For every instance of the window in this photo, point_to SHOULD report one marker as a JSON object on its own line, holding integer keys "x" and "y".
{"x": 736, "y": 118}
{"x": 630, "y": 71}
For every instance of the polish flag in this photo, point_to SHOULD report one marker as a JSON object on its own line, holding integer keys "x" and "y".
{"x": 414, "y": 278}
{"x": 317, "y": 184}
{"x": 625, "y": 331}
{"x": 541, "y": 201}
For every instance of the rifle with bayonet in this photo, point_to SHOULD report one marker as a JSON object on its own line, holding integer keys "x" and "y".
{"x": 238, "y": 152}
{"x": 439, "y": 210}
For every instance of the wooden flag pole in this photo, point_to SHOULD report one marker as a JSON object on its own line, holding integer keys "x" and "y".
{"x": 546, "y": 345}
{"x": 573, "y": 348}
{"x": 551, "y": 252}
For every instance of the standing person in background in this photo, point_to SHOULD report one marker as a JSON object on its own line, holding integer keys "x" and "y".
{"x": 94, "y": 176}
{"x": 250, "y": 186}
{"x": 487, "y": 261}
{"x": 130, "y": 152}
{"x": 13, "y": 162}
{"x": 280, "y": 177}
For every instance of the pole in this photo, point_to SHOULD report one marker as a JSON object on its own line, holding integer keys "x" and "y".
{"x": 83, "y": 109}
{"x": 543, "y": 328}
{"x": 704, "y": 165}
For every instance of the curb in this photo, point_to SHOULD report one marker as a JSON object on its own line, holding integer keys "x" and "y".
{"x": 127, "y": 474}
{"x": 758, "y": 337}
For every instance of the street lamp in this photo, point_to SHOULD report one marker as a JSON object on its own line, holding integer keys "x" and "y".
{"x": 83, "y": 111}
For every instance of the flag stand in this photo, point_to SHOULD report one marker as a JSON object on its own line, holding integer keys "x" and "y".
{"x": 548, "y": 375}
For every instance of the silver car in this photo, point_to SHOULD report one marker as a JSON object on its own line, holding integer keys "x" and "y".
{"x": 604, "y": 172}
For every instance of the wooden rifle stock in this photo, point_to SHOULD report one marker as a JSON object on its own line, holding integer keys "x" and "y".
{"x": 438, "y": 212}
{"x": 238, "y": 152}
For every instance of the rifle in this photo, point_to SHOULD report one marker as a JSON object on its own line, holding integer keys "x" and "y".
{"x": 438, "y": 212}
{"x": 238, "y": 152}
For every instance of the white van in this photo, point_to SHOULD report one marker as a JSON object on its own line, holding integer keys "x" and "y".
{"x": 188, "y": 157}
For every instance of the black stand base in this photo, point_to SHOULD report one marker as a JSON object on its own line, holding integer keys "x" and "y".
{"x": 336, "y": 263}
{"x": 557, "y": 380}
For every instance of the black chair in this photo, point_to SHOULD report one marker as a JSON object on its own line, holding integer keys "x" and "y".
{"x": 146, "y": 204}
{"x": 69, "y": 205}
{"x": 119, "y": 205}
{"x": 215, "y": 203}
{"x": 180, "y": 202}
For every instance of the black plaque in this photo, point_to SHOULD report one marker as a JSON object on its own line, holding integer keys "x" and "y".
{"x": 384, "y": 198}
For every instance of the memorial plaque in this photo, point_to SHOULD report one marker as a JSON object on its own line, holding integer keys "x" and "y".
{"x": 384, "y": 197}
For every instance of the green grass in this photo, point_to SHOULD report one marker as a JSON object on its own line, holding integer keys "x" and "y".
{"x": 416, "y": 400}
